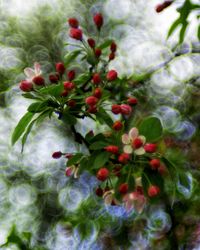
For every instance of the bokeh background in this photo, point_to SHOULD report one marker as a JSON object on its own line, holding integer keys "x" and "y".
{"x": 38, "y": 204}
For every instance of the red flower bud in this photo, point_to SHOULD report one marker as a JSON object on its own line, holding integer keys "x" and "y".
{"x": 111, "y": 56}
{"x": 92, "y": 109}
{"x": 38, "y": 80}
{"x": 126, "y": 109}
{"x": 71, "y": 103}
{"x": 91, "y": 42}
{"x": 71, "y": 75}
{"x": 91, "y": 100}
{"x": 60, "y": 68}
{"x": 117, "y": 170}
{"x": 26, "y": 86}
{"x": 150, "y": 147}
{"x": 132, "y": 101}
{"x": 64, "y": 93}
{"x": 96, "y": 78}
{"x": 155, "y": 164}
{"x": 118, "y": 125}
{"x": 162, "y": 170}
{"x": 68, "y": 171}
{"x": 123, "y": 188}
{"x": 124, "y": 158}
{"x": 98, "y": 20}
{"x": 73, "y": 22}
{"x": 97, "y": 93}
{"x": 113, "y": 47}
{"x": 112, "y": 149}
{"x": 69, "y": 155}
{"x": 116, "y": 109}
{"x": 111, "y": 75}
{"x": 153, "y": 190}
{"x": 76, "y": 33}
{"x": 57, "y": 155}
{"x": 167, "y": 3}
{"x": 137, "y": 143}
{"x": 53, "y": 78}
{"x": 102, "y": 174}
{"x": 69, "y": 85}
{"x": 97, "y": 52}
{"x": 99, "y": 192}
{"x": 162, "y": 6}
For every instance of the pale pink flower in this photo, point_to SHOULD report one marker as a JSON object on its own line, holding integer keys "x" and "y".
{"x": 135, "y": 200}
{"x": 108, "y": 197}
{"x": 31, "y": 73}
{"x": 134, "y": 142}
{"x": 72, "y": 170}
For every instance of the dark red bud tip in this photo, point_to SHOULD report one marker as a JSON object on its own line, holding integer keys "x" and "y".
{"x": 38, "y": 80}
{"x": 26, "y": 86}
{"x": 60, "y": 68}
{"x": 102, "y": 174}
{"x": 97, "y": 93}
{"x": 116, "y": 109}
{"x": 68, "y": 156}
{"x": 123, "y": 188}
{"x": 69, "y": 86}
{"x": 153, "y": 191}
{"x": 91, "y": 100}
{"x": 98, "y": 20}
{"x": 111, "y": 75}
{"x": 73, "y": 22}
{"x": 76, "y": 34}
{"x": 155, "y": 164}
{"x": 97, "y": 52}
{"x": 150, "y": 147}
{"x": 117, "y": 126}
{"x": 112, "y": 149}
{"x": 113, "y": 47}
{"x": 126, "y": 109}
{"x": 132, "y": 101}
{"x": 111, "y": 56}
{"x": 99, "y": 192}
{"x": 53, "y": 78}
{"x": 91, "y": 43}
{"x": 124, "y": 158}
{"x": 96, "y": 79}
{"x": 71, "y": 103}
{"x": 92, "y": 109}
{"x": 57, "y": 155}
{"x": 71, "y": 75}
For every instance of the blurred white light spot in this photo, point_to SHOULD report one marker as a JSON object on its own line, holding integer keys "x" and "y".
{"x": 120, "y": 8}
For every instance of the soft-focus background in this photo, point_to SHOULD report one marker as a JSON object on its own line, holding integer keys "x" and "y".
{"x": 37, "y": 200}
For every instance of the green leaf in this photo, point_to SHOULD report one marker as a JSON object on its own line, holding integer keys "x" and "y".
{"x": 21, "y": 126}
{"x": 68, "y": 119}
{"x": 182, "y": 32}
{"x": 37, "y": 107}
{"x": 151, "y": 128}
{"x": 131, "y": 183}
{"x": 71, "y": 56}
{"x": 98, "y": 145}
{"x": 101, "y": 159}
{"x": 74, "y": 159}
{"x": 53, "y": 90}
{"x": 31, "y": 96}
{"x": 105, "y": 44}
{"x": 185, "y": 184}
{"x": 82, "y": 78}
{"x": 103, "y": 117}
{"x": 173, "y": 27}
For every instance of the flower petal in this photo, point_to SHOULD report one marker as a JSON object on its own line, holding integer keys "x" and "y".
{"x": 37, "y": 68}
{"x": 125, "y": 139}
{"x": 108, "y": 197}
{"x": 133, "y": 133}
{"x": 30, "y": 73}
{"x": 142, "y": 138}
{"x": 128, "y": 149}
{"x": 139, "y": 151}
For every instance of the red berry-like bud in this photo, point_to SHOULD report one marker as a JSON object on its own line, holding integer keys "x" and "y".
{"x": 96, "y": 79}
{"x": 97, "y": 93}
{"x": 150, "y": 147}
{"x": 112, "y": 149}
{"x": 137, "y": 143}
{"x": 69, "y": 85}
{"x": 111, "y": 75}
{"x": 26, "y": 86}
{"x": 167, "y": 3}
{"x": 118, "y": 125}
{"x": 57, "y": 155}
{"x": 124, "y": 158}
{"x": 98, "y": 20}
{"x": 92, "y": 109}
{"x": 91, "y": 43}
{"x": 139, "y": 190}
{"x": 162, "y": 170}
{"x": 126, "y": 109}
{"x": 111, "y": 56}
{"x": 117, "y": 170}
{"x": 60, "y": 68}
{"x": 73, "y": 22}
{"x": 153, "y": 191}
{"x": 91, "y": 100}
{"x": 159, "y": 7}
{"x": 113, "y": 47}
{"x": 38, "y": 80}
{"x": 53, "y": 78}
{"x": 132, "y": 101}
{"x": 69, "y": 155}
{"x": 71, "y": 75}
{"x": 123, "y": 188}
{"x": 71, "y": 103}
{"x": 116, "y": 109}
{"x": 102, "y": 174}
{"x": 155, "y": 164}
{"x": 68, "y": 171}
{"x": 97, "y": 52}
{"x": 99, "y": 192}
{"x": 64, "y": 93}
{"x": 76, "y": 33}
